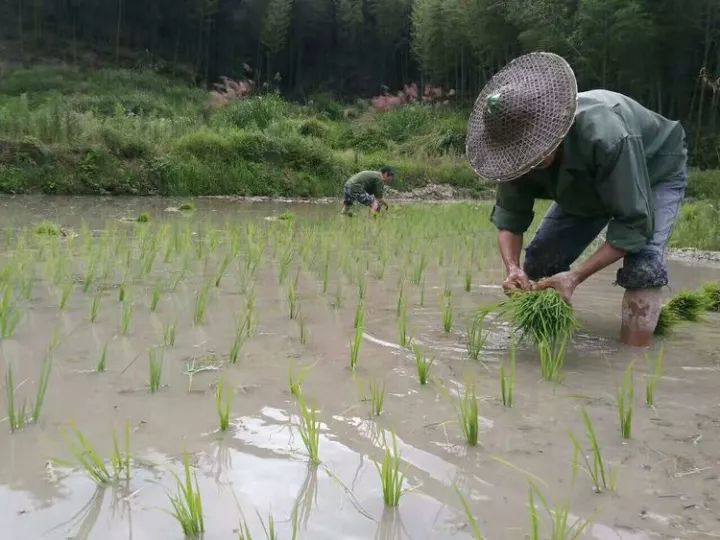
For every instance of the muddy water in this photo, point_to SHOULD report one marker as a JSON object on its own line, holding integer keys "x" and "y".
{"x": 668, "y": 480}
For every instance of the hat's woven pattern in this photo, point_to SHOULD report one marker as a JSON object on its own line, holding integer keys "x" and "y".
{"x": 521, "y": 116}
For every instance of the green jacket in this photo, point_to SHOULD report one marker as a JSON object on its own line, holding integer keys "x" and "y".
{"x": 367, "y": 182}
{"x": 611, "y": 158}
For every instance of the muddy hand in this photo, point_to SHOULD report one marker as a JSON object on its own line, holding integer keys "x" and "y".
{"x": 516, "y": 280}
{"x": 564, "y": 283}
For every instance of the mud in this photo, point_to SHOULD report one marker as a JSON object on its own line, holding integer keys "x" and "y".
{"x": 668, "y": 474}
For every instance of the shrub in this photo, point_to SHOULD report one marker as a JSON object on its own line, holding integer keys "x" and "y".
{"x": 704, "y": 184}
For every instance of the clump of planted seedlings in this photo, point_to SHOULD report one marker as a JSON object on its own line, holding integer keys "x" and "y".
{"x": 86, "y": 456}
{"x": 447, "y": 312}
{"x": 309, "y": 429}
{"x": 155, "y": 296}
{"x": 155, "y": 358}
{"x": 377, "y": 397}
{"x": 652, "y": 379}
{"x": 302, "y": 327}
{"x": 687, "y": 305}
{"x": 468, "y": 413}
{"x": 95, "y": 308}
{"x": 552, "y": 359}
{"x": 292, "y": 299}
{"x": 594, "y": 465}
{"x": 477, "y": 336}
{"x": 222, "y": 269}
{"x": 562, "y": 525}
{"x": 187, "y": 503}
{"x": 238, "y": 341}
{"x": 626, "y": 402}
{"x": 223, "y": 403}
{"x": 18, "y": 414}
{"x": 507, "y": 378}
{"x": 541, "y": 315}
{"x": 423, "y": 365}
{"x": 391, "y": 477}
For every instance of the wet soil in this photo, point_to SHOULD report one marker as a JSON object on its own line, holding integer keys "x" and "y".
{"x": 668, "y": 474}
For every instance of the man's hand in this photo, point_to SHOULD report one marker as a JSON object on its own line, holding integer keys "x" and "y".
{"x": 564, "y": 283}
{"x": 516, "y": 279}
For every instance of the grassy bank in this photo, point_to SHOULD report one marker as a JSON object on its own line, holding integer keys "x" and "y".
{"x": 122, "y": 132}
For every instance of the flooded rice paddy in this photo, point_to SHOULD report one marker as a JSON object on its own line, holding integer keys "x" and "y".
{"x": 225, "y": 281}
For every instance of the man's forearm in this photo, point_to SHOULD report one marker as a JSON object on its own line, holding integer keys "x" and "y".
{"x": 606, "y": 255}
{"x": 510, "y": 245}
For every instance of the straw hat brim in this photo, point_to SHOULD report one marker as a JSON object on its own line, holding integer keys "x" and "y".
{"x": 548, "y": 91}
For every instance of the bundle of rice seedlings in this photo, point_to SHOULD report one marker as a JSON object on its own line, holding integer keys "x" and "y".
{"x": 711, "y": 294}
{"x": 687, "y": 305}
{"x": 541, "y": 315}
{"x": 667, "y": 320}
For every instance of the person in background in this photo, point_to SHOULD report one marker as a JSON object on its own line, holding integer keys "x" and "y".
{"x": 605, "y": 161}
{"x": 367, "y": 188}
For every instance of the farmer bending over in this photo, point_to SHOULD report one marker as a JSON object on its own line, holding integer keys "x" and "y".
{"x": 605, "y": 161}
{"x": 367, "y": 188}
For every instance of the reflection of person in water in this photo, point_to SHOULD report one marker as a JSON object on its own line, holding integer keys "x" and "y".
{"x": 605, "y": 161}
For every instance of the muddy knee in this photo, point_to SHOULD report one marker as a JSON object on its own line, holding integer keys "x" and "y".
{"x": 644, "y": 270}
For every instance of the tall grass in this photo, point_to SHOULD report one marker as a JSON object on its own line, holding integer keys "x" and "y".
{"x": 391, "y": 477}
{"x": 626, "y": 402}
{"x": 187, "y": 503}
{"x": 652, "y": 380}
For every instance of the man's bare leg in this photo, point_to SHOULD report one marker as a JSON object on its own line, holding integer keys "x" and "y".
{"x": 640, "y": 314}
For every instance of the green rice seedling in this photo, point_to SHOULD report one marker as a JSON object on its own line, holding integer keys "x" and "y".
{"x": 269, "y": 528}
{"x": 296, "y": 380}
{"x": 87, "y": 457}
{"x": 250, "y": 313}
{"x": 223, "y": 403}
{"x": 401, "y": 303}
{"x": 652, "y": 380}
{"x": 285, "y": 261}
{"x": 89, "y": 277}
{"x": 102, "y": 362}
{"x": 187, "y": 207}
{"x": 419, "y": 269}
{"x": 292, "y": 300}
{"x": 126, "y": 315}
{"x": 474, "y": 527}
{"x": 144, "y": 217}
{"x": 447, "y": 313}
{"x": 121, "y": 462}
{"x": 422, "y": 293}
{"x": 542, "y": 315}
{"x": 626, "y": 402}
{"x": 666, "y": 321}
{"x": 596, "y": 470}
{"x": 187, "y": 503}
{"x": 391, "y": 477}
{"x": 222, "y": 269}
{"x": 423, "y": 365}
{"x": 201, "y": 303}
{"x": 65, "y": 293}
{"x": 552, "y": 359}
{"x": 477, "y": 336}
{"x": 711, "y": 296}
{"x": 561, "y": 527}
{"x": 9, "y": 313}
{"x": 338, "y": 293}
{"x": 302, "y": 328}
{"x": 155, "y": 358}
{"x": 326, "y": 272}
{"x": 41, "y": 389}
{"x": 355, "y": 347}
{"x": 507, "y": 378}
{"x": 95, "y": 307}
{"x": 155, "y": 296}
{"x": 239, "y": 341}
{"x": 169, "y": 335}
{"x": 468, "y": 413}
{"x": 309, "y": 430}
{"x": 17, "y": 417}
{"x": 468, "y": 280}
{"x": 377, "y": 397}
{"x": 687, "y": 305}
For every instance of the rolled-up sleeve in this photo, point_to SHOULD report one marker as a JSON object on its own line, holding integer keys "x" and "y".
{"x": 624, "y": 187}
{"x": 513, "y": 210}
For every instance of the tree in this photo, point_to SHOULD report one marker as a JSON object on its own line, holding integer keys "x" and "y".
{"x": 275, "y": 28}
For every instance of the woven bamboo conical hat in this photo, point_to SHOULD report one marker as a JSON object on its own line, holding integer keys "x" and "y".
{"x": 521, "y": 116}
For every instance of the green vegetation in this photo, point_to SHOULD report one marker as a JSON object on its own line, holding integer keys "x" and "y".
{"x": 377, "y": 397}
{"x": 711, "y": 296}
{"x": 422, "y": 364}
{"x": 474, "y": 527}
{"x": 652, "y": 379}
{"x": 309, "y": 430}
{"x": 17, "y": 414}
{"x": 390, "y": 475}
{"x": 626, "y": 402}
{"x": 596, "y": 469}
{"x": 223, "y": 403}
{"x": 355, "y": 345}
{"x": 477, "y": 336}
{"x": 144, "y": 217}
{"x": 552, "y": 359}
{"x": 447, "y": 312}
{"x": 468, "y": 413}
{"x": 559, "y": 518}
{"x": 90, "y": 461}
{"x": 507, "y": 378}
{"x": 48, "y": 228}
{"x": 187, "y": 503}
{"x": 687, "y": 305}
{"x": 155, "y": 365}
{"x": 102, "y": 362}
